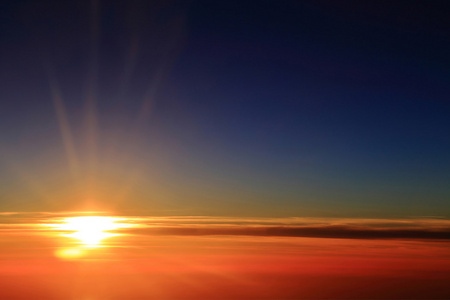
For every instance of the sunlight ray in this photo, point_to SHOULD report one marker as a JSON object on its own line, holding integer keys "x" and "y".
{"x": 64, "y": 126}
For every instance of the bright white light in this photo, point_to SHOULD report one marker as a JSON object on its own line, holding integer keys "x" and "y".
{"x": 91, "y": 230}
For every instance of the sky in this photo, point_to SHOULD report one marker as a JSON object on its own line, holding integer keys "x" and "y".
{"x": 226, "y": 108}
{"x": 200, "y": 149}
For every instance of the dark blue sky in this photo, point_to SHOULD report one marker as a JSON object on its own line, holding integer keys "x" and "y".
{"x": 231, "y": 107}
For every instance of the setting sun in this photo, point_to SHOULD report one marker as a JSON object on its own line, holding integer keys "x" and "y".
{"x": 91, "y": 230}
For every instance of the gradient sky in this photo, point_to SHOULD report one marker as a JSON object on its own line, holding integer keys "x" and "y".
{"x": 237, "y": 108}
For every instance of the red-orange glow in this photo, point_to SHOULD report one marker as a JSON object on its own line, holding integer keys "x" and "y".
{"x": 134, "y": 266}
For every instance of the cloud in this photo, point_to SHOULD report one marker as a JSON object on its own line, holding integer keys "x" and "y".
{"x": 346, "y": 232}
{"x": 423, "y": 228}
{"x": 343, "y": 228}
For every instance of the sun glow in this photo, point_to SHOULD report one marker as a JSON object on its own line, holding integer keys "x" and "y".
{"x": 91, "y": 230}
{"x": 69, "y": 253}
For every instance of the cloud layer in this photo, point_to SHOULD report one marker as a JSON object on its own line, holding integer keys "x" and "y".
{"x": 414, "y": 228}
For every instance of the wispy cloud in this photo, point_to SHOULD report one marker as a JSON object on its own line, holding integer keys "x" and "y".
{"x": 346, "y": 232}
{"x": 423, "y": 228}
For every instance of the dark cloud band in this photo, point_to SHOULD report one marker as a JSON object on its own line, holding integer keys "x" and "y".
{"x": 345, "y": 232}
